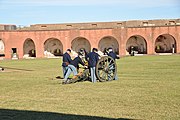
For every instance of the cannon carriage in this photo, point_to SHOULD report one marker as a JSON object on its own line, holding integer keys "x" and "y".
{"x": 106, "y": 69}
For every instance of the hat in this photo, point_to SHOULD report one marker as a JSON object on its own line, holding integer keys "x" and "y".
{"x": 95, "y": 50}
{"x": 110, "y": 49}
{"x": 81, "y": 49}
{"x": 69, "y": 50}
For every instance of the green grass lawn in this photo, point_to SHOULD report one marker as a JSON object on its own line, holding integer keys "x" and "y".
{"x": 148, "y": 88}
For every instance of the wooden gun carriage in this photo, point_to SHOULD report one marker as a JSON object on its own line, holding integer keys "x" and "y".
{"x": 106, "y": 69}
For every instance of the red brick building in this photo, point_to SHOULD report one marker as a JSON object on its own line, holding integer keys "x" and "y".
{"x": 146, "y": 36}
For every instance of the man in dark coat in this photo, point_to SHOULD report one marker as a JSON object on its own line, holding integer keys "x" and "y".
{"x": 92, "y": 59}
{"x": 66, "y": 60}
{"x": 114, "y": 56}
{"x": 72, "y": 67}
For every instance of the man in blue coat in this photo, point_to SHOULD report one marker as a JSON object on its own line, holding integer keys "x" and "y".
{"x": 114, "y": 56}
{"x": 66, "y": 60}
{"x": 72, "y": 67}
{"x": 92, "y": 59}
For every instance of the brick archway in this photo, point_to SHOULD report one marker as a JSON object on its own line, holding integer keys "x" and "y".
{"x": 136, "y": 43}
{"x": 2, "y": 48}
{"x": 79, "y": 43}
{"x": 53, "y": 47}
{"x": 107, "y": 42}
{"x": 165, "y": 43}
{"x": 29, "y": 49}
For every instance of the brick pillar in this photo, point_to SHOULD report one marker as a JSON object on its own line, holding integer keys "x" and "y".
{"x": 39, "y": 46}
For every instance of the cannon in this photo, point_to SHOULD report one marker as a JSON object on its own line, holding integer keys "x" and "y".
{"x": 106, "y": 70}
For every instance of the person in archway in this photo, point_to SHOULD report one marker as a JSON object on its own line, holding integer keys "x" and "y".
{"x": 92, "y": 59}
{"x": 83, "y": 52}
{"x": 66, "y": 60}
{"x": 105, "y": 51}
{"x": 73, "y": 66}
{"x": 114, "y": 56}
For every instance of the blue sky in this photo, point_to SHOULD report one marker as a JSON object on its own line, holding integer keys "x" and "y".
{"x": 28, "y": 12}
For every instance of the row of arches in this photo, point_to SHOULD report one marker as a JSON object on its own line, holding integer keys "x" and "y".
{"x": 54, "y": 47}
{"x": 164, "y": 44}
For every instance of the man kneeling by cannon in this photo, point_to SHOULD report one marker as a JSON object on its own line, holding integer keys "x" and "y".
{"x": 72, "y": 67}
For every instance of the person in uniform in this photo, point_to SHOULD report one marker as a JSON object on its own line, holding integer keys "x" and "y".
{"x": 92, "y": 59}
{"x": 114, "y": 56}
{"x": 72, "y": 67}
{"x": 66, "y": 60}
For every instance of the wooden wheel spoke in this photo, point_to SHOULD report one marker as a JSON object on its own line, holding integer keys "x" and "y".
{"x": 110, "y": 77}
{"x": 111, "y": 71}
{"x": 106, "y": 69}
{"x": 104, "y": 75}
{"x": 111, "y": 65}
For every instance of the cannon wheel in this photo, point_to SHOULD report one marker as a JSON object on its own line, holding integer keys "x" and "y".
{"x": 106, "y": 69}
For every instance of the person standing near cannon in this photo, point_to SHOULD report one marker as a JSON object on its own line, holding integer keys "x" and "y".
{"x": 66, "y": 60}
{"x": 92, "y": 59}
{"x": 114, "y": 56}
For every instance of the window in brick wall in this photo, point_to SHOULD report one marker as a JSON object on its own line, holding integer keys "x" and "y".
{"x": 43, "y": 26}
{"x": 119, "y": 24}
{"x": 145, "y": 23}
{"x": 69, "y": 25}
{"x": 172, "y": 22}
{"x": 94, "y": 25}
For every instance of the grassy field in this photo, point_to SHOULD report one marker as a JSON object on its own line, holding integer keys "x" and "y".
{"x": 148, "y": 88}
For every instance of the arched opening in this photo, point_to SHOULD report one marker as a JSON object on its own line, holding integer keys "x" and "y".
{"x": 29, "y": 48}
{"x": 136, "y": 44}
{"x": 107, "y": 42}
{"x": 80, "y": 43}
{"x": 165, "y": 44}
{"x": 53, "y": 47}
{"x": 2, "y": 53}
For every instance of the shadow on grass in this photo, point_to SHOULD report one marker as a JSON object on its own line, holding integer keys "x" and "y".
{"x": 7, "y": 114}
{"x": 10, "y": 68}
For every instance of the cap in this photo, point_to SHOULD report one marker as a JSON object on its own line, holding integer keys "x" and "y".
{"x": 94, "y": 49}
{"x": 110, "y": 49}
{"x": 69, "y": 50}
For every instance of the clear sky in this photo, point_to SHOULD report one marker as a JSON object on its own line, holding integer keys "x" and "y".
{"x": 28, "y": 12}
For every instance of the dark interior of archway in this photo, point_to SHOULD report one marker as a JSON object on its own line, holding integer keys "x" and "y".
{"x": 57, "y": 52}
{"x": 137, "y": 49}
{"x": 108, "y": 42}
{"x": 79, "y": 44}
{"x": 32, "y": 53}
{"x": 53, "y": 46}
{"x": 165, "y": 44}
{"x": 136, "y": 44}
{"x": 2, "y": 53}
